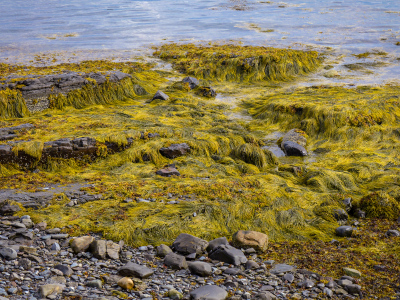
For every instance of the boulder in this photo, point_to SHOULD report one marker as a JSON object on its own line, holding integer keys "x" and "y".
{"x": 296, "y": 136}
{"x": 200, "y": 268}
{"x": 81, "y": 244}
{"x": 136, "y": 270}
{"x": 187, "y": 244}
{"x": 228, "y": 254}
{"x": 208, "y": 292}
{"x": 193, "y": 82}
{"x": 216, "y": 242}
{"x": 163, "y": 250}
{"x": 248, "y": 238}
{"x": 175, "y": 150}
{"x": 175, "y": 261}
{"x": 160, "y": 96}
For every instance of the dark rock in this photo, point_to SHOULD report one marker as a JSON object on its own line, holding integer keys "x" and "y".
{"x": 340, "y": 214}
{"x": 200, "y": 268}
{"x": 9, "y": 209}
{"x": 208, "y": 292}
{"x": 132, "y": 269}
{"x": 168, "y": 170}
{"x": 187, "y": 244}
{"x": 347, "y": 204}
{"x": 293, "y": 149}
{"x": 160, "y": 96}
{"x": 344, "y": 231}
{"x": 265, "y": 295}
{"x": 193, "y": 82}
{"x": 66, "y": 270}
{"x": 380, "y": 268}
{"x": 139, "y": 90}
{"x": 175, "y": 261}
{"x": 228, "y": 254}
{"x": 360, "y": 214}
{"x": 233, "y": 271}
{"x": 353, "y": 289}
{"x": 216, "y": 242}
{"x": 391, "y": 233}
{"x": 175, "y": 150}
{"x": 95, "y": 284}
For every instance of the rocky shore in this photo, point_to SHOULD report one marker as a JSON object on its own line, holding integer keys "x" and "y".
{"x": 39, "y": 262}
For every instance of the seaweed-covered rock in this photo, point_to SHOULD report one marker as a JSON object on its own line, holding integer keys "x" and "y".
{"x": 380, "y": 205}
{"x": 296, "y": 136}
{"x": 175, "y": 150}
{"x": 206, "y": 91}
{"x": 9, "y": 133}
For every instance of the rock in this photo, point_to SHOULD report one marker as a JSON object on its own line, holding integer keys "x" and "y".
{"x": 247, "y": 238}
{"x": 81, "y": 244}
{"x": 340, "y": 214}
{"x": 51, "y": 289}
{"x": 174, "y": 294}
{"x": 66, "y": 270}
{"x": 206, "y": 91}
{"x": 27, "y": 222}
{"x": 111, "y": 279}
{"x": 208, "y": 292}
{"x": 307, "y": 284}
{"x": 126, "y": 283}
{"x": 41, "y": 226}
{"x": 288, "y": 277}
{"x": 112, "y": 250}
{"x": 344, "y": 231}
{"x": 328, "y": 292}
{"x": 95, "y": 284}
{"x": 187, "y": 244}
{"x": 360, "y": 214}
{"x": 352, "y": 272}
{"x": 175, "y": 261}
{"x": 175, "y": 150}
{"x": 265, "y": 295}
{"x": 391, "y": 233}
{"x": 216, "y": 242}
{"x": 282, "y": 268}
{"x": 8, "y": 253}
{"x": 228, "y": 254}
{"x": 250, "y": 264}
{"x": 296, "y": 136}
{"x": 163, "y": 250}
{"x": 168, "y": 170}
{"x": 26, "y": 249}
{"x": 193, "y": 82}
{"x": 132, "y": 269}
{"x": 353, "y": 289}
{"x": 160, "y": 96}
{"x": 200, "y": 268}
{"x": 58, "y": 280}
{"x": 9, "y": 209}
{"x": 293, "y": 149}
{"x": 347, "y": 203}
{"x": 55, "y": 247}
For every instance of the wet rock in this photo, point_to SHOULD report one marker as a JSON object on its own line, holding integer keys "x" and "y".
{"x": 200, "y": 268}
{"x": 392, "y": 233}
{"x": 193, "y": 82}
{"x": 175, "y": 150}
{"x": 293, "y": 149}
{"x": 163, "y": 250}
{"x": 248, "y": 238}
{"x": 344, "y": 231}
{"x": 175, "y": 261}
{"x": 132, "y": 269}
{"x": 126, "y": 283}
{"x": 81, "y": 244}
{"x": 352, "y": 272}
{"x": 51, "y": 289}
{"x": 228, "y": 254}
{"x": 159, "y": 95}
{"x": 282, "y": 268}
{"x": 168, "y": 170}
{"x": 8, "y": 253}
{"x": 187, "y": 244}
{"x": 216, "y": 242}
{"x": 296, "y": 136}
{"x": 206, "y": 91}
{"x": 208, "y": 292}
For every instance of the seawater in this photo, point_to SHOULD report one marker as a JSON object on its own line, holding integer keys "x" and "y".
{"x": 110, "y": 26}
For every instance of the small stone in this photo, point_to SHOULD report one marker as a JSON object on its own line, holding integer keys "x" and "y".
{"x": 26, "y": 249}
{"x": 95, "y": 284}
{"x": 55, "y": 247}
{"x": 288, "y": 277}
{"x": 306, "y": 284}
{"x": 175, "y": 150}
{"x": 132, "y": 269}
{"x": 50, "y": 289}
{"x": 160, "y": 96}
{"x": 250, "y": 264}
{"x": 352, "y": 272}
{"x": 126, "y": 283}
{"x": 174, "y": 294}
{"x": 353, "y": 289}
{"x": 360, "y": 214}
{"x": 344, "y": 231}
{"x": 200, "y": 268}
{"x": 391, "y": 233}
{"x": 208, "y": 292}
{"x": 25, "y": 263}
{"x": 169, "y": 170}
{"x": 81, "y": 244}
{"x": 163, "y": 250}
{"x": 66, "y": 270}
{"x": 340, "y": 214}
{"x": 328, "y": 292}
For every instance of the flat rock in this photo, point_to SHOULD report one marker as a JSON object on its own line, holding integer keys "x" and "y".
{"x": 282, "y": 268}
{"x": 169, "y": 170}
{"x": 51, "y": 289}
{"x": 175, "y": 150}
{"x": 136, "y": 270}
{"x": 208, "y": 292}
{"x": 248, "y": 238}
{"x": 352, "y": 272}
{"x": 228, "y": 254}
{"x": 186, "y": 244}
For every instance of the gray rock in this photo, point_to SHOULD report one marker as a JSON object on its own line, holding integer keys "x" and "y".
{"x": 175, "y": 261}
{"x": 95, "y": 284}
{"x": 9, "y": 209}
{"x": 81, "y": 244}
{"x": 307, "y": 284}
{"x": 288, "y": 277}
{"x": 113, "y": 250}
{"x": 159, "y": 95}
{"x": 99, "y": 249}
{"x": 250, "y": 264}
{"x": 328, "y": 292}
{"x": 200, "y": 268}
{"x": 209, "y": 292}
{"x": 66, "y": 270}
{"x": 187, "y": 244}
{"x": 340, "y": 214}
{"x": 193, "y": 82}
{"x": 163, "y": 250}
{"x": 265, "y": 295}
{"x": 344, "y": 231}
{"x": 55, "y": 247}
{"x": 293, "y": 149}
{"x": 228, "y": 254}
{"x": 391, "y": 233}
{"x": 175, "y": 150}
{"x": 216, "y": 242}
{"x": 132, "y": 269}
{"x": 51, "y": 289}
{"x": 25, "y": 263}
{"x": 8, "y": 253}
{"x": 347, "y": 203}
{"x": 353, "y": 288}
{"x": 282, "y": 268}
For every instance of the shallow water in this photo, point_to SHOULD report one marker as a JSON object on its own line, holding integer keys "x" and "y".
{"x": 114, "y": 28}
